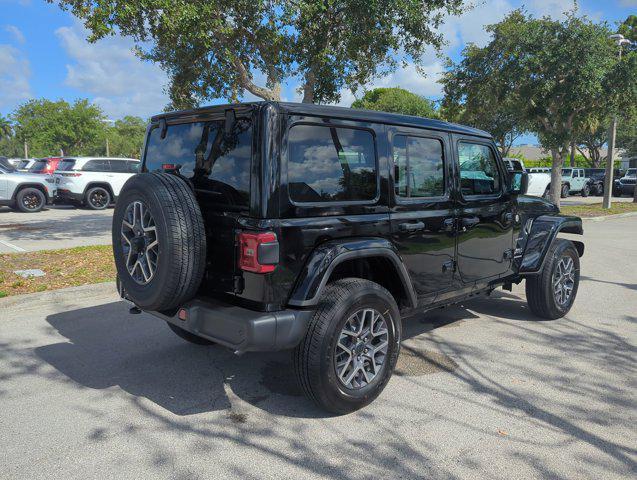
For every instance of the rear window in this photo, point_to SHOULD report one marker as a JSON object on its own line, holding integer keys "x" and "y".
{"x": 65, "y": 166}
{"x": 330, "y": 164}
{"x": 218, "y": 163}
{"x": 418, "y": 167}
{"x": 38, "y": 167}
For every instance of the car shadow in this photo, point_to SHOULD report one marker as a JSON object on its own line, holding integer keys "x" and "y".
{"x": 108, "y": 347}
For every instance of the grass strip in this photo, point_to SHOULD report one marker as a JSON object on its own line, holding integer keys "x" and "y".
{"x": 596, "y": 210}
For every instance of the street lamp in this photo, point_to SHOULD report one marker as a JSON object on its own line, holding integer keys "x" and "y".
{"x": 620, "y": 41}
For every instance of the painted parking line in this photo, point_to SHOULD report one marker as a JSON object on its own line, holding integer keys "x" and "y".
{"x": 11, "y": 245}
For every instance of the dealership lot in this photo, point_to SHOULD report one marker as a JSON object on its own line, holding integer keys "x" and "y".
{"x": 482, "y": 391}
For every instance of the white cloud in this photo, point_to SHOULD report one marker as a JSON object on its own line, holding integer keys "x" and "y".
{"x": 17, "y": 34}
{"x": 120, "y": 82}
{"x": 14, "y": 77}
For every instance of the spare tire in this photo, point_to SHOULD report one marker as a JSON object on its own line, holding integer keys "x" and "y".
{"x": 159, "y": 241}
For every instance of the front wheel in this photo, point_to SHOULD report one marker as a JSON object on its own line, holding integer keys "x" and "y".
{"x": 586, "y": 191}
{"x": 565, "y": 191}
{"x": 351, "y": 346}
{"x": 551, "y": 293}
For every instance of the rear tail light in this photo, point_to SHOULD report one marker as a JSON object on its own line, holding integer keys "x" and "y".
{"x": 258, "y": 252}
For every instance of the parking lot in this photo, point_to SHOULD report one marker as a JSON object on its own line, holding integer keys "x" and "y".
{"x": 483, "y": 391}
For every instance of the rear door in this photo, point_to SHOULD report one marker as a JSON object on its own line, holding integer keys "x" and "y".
{"x": 422, "y": 216}
{"x": 119, "y": 174}
{"x": 219, "y": 166}
{"x": 485, "y": 212}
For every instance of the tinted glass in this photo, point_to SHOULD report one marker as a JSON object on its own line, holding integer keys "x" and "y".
{"x": 216, "y": 162}
{"x": 631, "y": 172}
{"x": 566, "y": 172}
{"x": 478, "y": 170}
{"x": 65, "y": 166}
{"x": 119, "y": 166}
{"x": 38, "y": 167}
{"x": 418, "y": 167}
{"x": 329, "y": 164}
{"x": 97, "y": 166}
{"x": 133, "y": 167}
{"x": 23, "y": 163}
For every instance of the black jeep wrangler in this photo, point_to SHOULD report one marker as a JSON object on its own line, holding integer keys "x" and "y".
{"x": 268, "y": 226}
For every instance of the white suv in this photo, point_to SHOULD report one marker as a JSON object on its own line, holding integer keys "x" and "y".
{"x": 94, "y": 182}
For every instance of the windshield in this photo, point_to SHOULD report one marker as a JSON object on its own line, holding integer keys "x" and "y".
{"x": 66, "y": 165}
{"x": 567, "y": 172}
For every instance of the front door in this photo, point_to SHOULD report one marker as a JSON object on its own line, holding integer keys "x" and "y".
{"x": 422, "y": 217}
{"x": 485, "y": 212}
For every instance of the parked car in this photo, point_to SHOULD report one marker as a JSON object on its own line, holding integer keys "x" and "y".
{"x": 45, "y": 166}
{"x": 94, "y": 182}
{"x": 25, "y": 192}
{"x": 539, "y": 182}
{"x": 574, "y": 180}
{"x": 6, "y": 165}
{"x": 25, "y": 164}
{"x": 626, "y": 184}
{"x": 326, "y": 232}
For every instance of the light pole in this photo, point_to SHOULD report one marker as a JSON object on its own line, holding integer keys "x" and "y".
{"x": 608, "y": 180}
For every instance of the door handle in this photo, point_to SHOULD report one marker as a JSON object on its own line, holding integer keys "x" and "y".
{"x": 468, "y": 222}
{"x": 411, "y": 227}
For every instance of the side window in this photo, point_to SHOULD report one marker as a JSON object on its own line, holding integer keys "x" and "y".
{"x": 97, "y": 166}
{"x": 478, "y": 170}
{"x": 132, "y": 167}
{"x": 330, "y": 164}
{"x": 418, "y": 167}
{"x": 119, "y": 166}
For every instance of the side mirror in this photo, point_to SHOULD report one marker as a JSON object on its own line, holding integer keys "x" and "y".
{"x": 518, "y": 183}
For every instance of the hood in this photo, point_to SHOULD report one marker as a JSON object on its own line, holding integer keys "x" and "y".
{"x": 536, "y": 205}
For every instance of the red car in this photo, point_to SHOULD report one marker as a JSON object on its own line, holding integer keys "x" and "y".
{"x": 45, "y": 165}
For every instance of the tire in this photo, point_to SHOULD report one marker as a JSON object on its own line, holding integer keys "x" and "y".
{"x": 174, "y": 238}
{"x": 189, "y": 337}
{"x": 97, "y": 198}
{"x": 586, "y": 191}
{"x": 315, "y": 357}
{"x": 565, "y": 191}
{"x": 30, "y": 200}
{"x": 539, "y": 288}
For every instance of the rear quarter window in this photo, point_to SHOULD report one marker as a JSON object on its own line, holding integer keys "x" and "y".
{"x": 331, "y": 164}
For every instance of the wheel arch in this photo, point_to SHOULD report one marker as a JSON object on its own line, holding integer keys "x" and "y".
{"x": 543, "y": 232}
{"x": 105, "y": 185}
{"x": 374, "y": 259}
{"x": 38, "y": 186}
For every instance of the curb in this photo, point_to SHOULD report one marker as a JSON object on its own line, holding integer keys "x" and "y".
{"x": 609, "y": 217}
{"x": 28, "y": 301}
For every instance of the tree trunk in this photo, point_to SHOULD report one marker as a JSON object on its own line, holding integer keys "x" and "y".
{"x": 572, "y": 154}
{"x": 245, "y": 80}
{"x": 556, "y": 175}
{"x": 308, "y": 87}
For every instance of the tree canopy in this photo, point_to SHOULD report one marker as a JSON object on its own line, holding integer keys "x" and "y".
{"x": 551, "y": 75}
{"x": 81, "y": 128}
{"x": 396, "y": 100}
{"x": 222, "y": 49}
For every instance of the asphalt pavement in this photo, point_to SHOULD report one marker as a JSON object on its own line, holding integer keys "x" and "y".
{"x": 483, "y": 391}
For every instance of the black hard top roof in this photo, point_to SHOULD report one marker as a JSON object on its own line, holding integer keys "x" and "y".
{"x": 333, "y": 111}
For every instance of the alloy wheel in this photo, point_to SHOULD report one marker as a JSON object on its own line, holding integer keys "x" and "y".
{"x": 98, "y": 198}
{"x": 31, "y": 201}
{"x": 139, "y": 242}
{"x": 563, "y": 280}
{"x": 361, "y": 350}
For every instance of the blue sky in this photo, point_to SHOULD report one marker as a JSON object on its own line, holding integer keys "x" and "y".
{"x": 43, "y": 53}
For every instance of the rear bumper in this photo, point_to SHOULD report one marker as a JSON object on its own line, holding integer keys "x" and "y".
{"x": 238, "y": 328}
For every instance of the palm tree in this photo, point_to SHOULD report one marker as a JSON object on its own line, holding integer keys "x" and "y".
{"x": 5, "y": 127}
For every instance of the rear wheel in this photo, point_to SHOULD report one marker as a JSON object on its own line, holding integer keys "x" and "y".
{"x": 551, "y": 293}
{"x": 189, "y": 337}
{"x": 586, "y": 191}
{"x": 30, "y": 200}
{"x": 351, "y": 347}
{"x": 97, "y": 198}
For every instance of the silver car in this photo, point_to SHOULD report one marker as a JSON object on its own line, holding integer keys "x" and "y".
{"x": 25, "y": 192}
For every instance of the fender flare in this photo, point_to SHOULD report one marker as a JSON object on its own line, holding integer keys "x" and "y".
{"x": 543, "y": 232}
{"x": 327, "y": 256}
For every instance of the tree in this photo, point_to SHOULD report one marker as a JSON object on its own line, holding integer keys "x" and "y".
{"x": 126, "y": 137}
{"x": 221, "y": 49}
{"x": 5, "y": 128}
{"x": 396, "y": 100}
{"x": 482, "y": 101}
{"x": 557, "y": 71}
{"x": 50, "y": 127}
